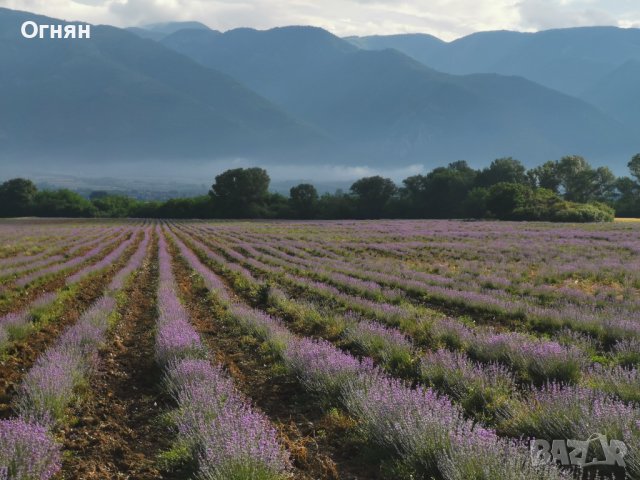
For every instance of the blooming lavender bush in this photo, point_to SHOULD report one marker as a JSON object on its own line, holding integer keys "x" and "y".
{"x": 627, "y": 352}
{"x": 211, "y": 280}
{"x": 480, "y": 388}
{"x": 541, "y": 360}
{"x": 389, "y": 346}
{"x": 620, "y": 381}
{"x": 324, "y": 369}
{"x": 133, "y": 264}
{"x": 494, "y": 460}
{"x": 239, "y": 444}
{"x": 27, "y": 451}
{"x": 16, "y": 325}
{"x": 49, "y": 386}
{"x": 230, "y": 439}
{"x": 175, "y": 337}
{"x": 449, "y": 332}
{"x": 570, "y": 411}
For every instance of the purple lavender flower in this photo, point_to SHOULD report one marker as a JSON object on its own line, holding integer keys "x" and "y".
{"x": 133, "y": 264}
{"x": 27, "y": 451}
{"x": 388, "y": 345}
{"x": 324, "y": 369}
{"x": 569, "y": 411}
{"x": 240, "y": 443}
{"x": 479, "y": 387}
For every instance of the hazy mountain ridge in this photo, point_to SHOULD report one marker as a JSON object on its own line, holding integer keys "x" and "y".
{"x": 576, "y": 61}
{"x": 117, "y": 94}
{"x": 384, "y": 104}
{"x": 619, "y": 93}
{"x": 290, "y": 95}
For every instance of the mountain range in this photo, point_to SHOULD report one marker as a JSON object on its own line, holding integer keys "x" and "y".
{"x": 595, "y": 64}
{"x": 302, "y": 95}
{"x": 120, "y": 96}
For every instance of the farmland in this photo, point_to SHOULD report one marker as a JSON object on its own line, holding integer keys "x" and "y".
{"x": 337, "y": 350}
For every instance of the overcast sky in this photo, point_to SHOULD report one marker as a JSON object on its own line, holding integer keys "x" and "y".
{"x": 447, "y": 19}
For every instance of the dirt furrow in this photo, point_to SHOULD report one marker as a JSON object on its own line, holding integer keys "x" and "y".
{"x": 118, "y": 434}
{"x": 22, "y": 354}
{"x": 323, "y": 444}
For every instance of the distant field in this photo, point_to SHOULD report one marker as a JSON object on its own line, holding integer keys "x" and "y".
{"x": 337, "y": 350}
{"x": 627, "y": 219}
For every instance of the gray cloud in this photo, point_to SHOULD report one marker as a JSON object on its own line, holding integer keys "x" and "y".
{"x": 545, "y": 14}
{"x": 447, "y": 19}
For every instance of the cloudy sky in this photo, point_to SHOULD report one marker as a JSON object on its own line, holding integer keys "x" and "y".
{"x": 447, "y": 19}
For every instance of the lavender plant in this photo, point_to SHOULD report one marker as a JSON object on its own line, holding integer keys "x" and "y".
{"x": 229, "y": 438}
{"x": 483, "y": 390}
{"x": 28, "y": 451}
{"x": 389, "y": 346}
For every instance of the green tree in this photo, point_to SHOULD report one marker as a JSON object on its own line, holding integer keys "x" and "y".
{"x": 573, "y": 172}
{"x": 504, "y": 198}
{"x": 475, "y": 205}
{"x": 502, "y": 170}
{"x": 17, "y": 197}
{"x": 545, "y": 176}
{"x": 581, "y": 183}
{"x": 113, "y": 206}
{"x": 241, "y": 193}
{"x": 634, "y": 167}
{"x": 336, "y": 205}
{"x": 373, "y": 194}
{"x": 303, "y": 199}
{"x": 62, "y": 203}
{"x": 628, "y": 202}
{"x": 442, "y": 192}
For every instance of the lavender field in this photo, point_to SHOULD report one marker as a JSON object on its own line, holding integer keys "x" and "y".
{"x": 319, "y": 350}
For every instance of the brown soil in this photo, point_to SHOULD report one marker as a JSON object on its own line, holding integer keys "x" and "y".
{"x": 21, "y": 355}
{"x": 322, "y": 446}
{"x": 118, "y": 434}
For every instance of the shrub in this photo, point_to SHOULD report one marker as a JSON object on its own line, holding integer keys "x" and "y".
{"x": 582, "y": 212}
{"x": 27, "y": 451}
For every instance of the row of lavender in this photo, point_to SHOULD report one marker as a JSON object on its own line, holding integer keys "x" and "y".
{"x": 16, "y": 325}
{"x": 371, "y": 281}
{"x": 531, "y": 307}
{"x": 56, "y": 252}
{"x": 426, "y": 430}
{"x": 228, "y": 437}
{"x": 53, "y": 247}
{"x": 539, "y": 360}
{"x": 28, "y": 243}
{"x": 551, "y": 277}
{"x": 552, "y": 411}
{"x": 28, "y": 449}
{"x": 533, "y": 359}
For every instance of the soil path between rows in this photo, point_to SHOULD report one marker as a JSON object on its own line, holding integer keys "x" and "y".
{"x": 21, "y": 355}
{"x": 320, "y": 448}
{"x": 118, "y": 434}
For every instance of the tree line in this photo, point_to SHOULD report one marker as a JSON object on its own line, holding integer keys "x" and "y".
{"x": 569, "y": 189}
